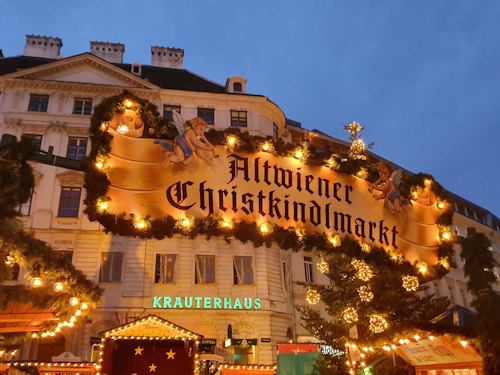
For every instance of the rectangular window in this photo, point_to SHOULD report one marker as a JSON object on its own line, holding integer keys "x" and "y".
{"x": 239, "y": 118}
{"x": 206, "y": 114}
{"x": 242, "y": 270}
{"x": 309, "y": 269}
{"x": 38, "y": 103}
{"x": 12, "y": 273}
{"x": 24, "y": 209}
{"x": 82, "y": 106}
{"x": 165, "y": 268}
{"x": 287, "y": 277}
{"x": 36, "y": 139}
{"x": 77, "y": 147}
{"x": 111, "y": 267}
{"x": 66, "y": 254}
{"x": 69, "y": 203}
{"x": 204, "y": 269}
{"x": 169, "y": 109}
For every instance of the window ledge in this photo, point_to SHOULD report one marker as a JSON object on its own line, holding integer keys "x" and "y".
{"x": 67, "y": 220}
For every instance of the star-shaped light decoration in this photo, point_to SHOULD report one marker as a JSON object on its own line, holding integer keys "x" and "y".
{"x": 170, "y": 354}
{"x": 138, "y": 350}
{"x": 152, "y": 368}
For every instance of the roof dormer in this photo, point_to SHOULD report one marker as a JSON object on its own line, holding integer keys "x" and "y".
{"x": 136, "y": 69}
{"x": 236, "y": 84}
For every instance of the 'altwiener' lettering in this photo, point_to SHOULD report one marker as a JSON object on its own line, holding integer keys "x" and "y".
{"x": 206, "y": 303}
{"x": 277, "y": 203}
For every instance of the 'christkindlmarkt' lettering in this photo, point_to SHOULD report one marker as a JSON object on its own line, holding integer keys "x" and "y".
{"x": 206, "y": 303}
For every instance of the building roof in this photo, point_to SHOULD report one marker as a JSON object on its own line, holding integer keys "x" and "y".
{"x": 166, "y": 78}
{"x": 175, "y": 79}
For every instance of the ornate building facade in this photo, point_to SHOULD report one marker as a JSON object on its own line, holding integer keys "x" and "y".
{"x": 217, "y": 289}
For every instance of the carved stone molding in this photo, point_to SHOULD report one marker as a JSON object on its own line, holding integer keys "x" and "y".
{"x": 57, "y": 126}
{"x": 70, "y": 179}
{"x": 34, "y": 128}
{"x": 77, "y": 131}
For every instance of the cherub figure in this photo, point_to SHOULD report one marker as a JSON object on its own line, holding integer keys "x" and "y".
{"x": 388, "y": 185}
{"x": 190, "y": 140}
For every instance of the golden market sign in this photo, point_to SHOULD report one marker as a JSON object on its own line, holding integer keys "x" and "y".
{"x": 156, "y": 178}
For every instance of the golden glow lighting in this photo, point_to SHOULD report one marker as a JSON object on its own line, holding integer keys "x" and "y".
{"x": 378, "y": 324}
{"x": 364, "y": 273}
{"x": 74, "y": 301}
{"x": 312, "y": 297}
{"x": 335, "y": 240}
{"x": 350, "y": 315}
{"x": 323, "y": 266}
{"x": 422, "y": 267}
{"x": 365, "y": 293}
{"x": 128, "y": 103}
{"x": 231, "y": 141}
{"x": 410, "y": 283}
{"x": 58, "y": 286}
{"x": 36, "y": 281}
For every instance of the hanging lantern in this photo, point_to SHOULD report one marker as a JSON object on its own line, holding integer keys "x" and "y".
{"x": 365, "y": 293}
{"x": 410, "y": 283}
{"x": 378, "y": 324}
{"x": 323, "y": 266}
{"x": 312, "y": 297}
{"x": 350, "y": 315}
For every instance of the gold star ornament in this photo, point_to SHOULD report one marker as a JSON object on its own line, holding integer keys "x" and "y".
{"x": 138, "y": 350}
{"x": 152, "y": 368}
{"x": 170, "y": 354}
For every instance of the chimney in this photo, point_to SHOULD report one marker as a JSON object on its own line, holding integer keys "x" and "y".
{"x": 166, "y": 57}
{"x": 111, "y": 52}
{"x": 42, "y": 46}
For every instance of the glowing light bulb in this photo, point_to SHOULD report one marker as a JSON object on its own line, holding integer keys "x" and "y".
{"x": 73, "y": 301}
{"x": 266, "y": 147}
{"x": 231, "y": 141}
{"x": 84, "y": 306}
{"x": 265, "y": 228}
{"x": 103, "y": 206}
{"x": 440, "y": 205}
{"x": 36, "y": 281}
{"x": 128, "y": 103}
{"x": 99, "y": 165}
{"x": 298, "y": 154}
{"x": 58, "y": 286}
{"x": 446, "y": 236}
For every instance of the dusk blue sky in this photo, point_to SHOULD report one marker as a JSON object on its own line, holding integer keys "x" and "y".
{"x": 423, "y": 76}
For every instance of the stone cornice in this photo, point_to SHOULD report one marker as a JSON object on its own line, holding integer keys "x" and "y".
{"x": 85, "y": 59}
{"x": 76, "y": 88}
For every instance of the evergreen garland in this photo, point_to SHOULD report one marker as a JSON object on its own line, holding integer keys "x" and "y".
{"x": 35, "y": 256}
